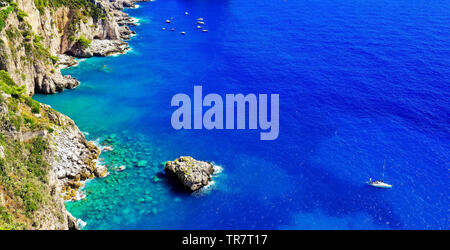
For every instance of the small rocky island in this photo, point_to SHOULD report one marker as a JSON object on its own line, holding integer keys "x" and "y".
{"x": 192, "y": 173}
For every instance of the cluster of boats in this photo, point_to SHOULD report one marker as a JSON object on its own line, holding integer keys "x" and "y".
{"x": 200, "y": 21}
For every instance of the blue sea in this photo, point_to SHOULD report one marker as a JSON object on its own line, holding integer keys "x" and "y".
{"x": 360, "y": 82}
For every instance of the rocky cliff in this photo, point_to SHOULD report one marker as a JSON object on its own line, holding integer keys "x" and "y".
{"x": 43, "y": 155}
{"x": 32, "y": 38}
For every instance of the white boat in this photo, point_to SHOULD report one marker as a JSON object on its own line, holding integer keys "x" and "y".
{"x": 379, "y": 183}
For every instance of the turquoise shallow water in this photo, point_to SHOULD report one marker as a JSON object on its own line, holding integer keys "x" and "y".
{"x": 360, "y": 82}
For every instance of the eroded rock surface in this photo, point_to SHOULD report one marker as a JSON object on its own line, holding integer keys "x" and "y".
{"x": 99, "y": 47}
{"x": 192, "y": 173}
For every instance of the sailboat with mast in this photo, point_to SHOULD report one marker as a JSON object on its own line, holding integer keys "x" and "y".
{"x": 379, "y": 183}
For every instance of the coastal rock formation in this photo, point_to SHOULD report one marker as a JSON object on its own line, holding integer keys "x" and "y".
{"x": 44, "y": 156}
{"x": 29, "y": 57}
{"x": 52, "y": 83}
{"x": 120, "y": 4}
{"x": 76, "y": 156}
{"x": 192, "y": 173}
{"x": 99, "y": 48}
{"x": 65, "y": 61}
{"x": 72, "y": 222}
{"x": 126, "y": 33}
{"x": 32, "y": 38}
{"x": 101, "y": 171}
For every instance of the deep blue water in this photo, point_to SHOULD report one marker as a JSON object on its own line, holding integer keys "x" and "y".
{"x": 360, "y": 82}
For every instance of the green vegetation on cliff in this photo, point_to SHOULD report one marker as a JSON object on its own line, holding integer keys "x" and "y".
{"x": 9, "y": 87}
{"x": 4, "y": 13}
{"x": 9, "y": 8}
{"x": 87, "y": 7}
{"x": 21, "y": 14}
{"x": 83, "y": 41}
{"x": 21, "y": 38}
{"x": 23, "y": 178}
{"x": 23, "y": 167}
{"x": 26, "y": 41}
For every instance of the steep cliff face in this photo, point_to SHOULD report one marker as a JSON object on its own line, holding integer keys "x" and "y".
{"x": 42, "y": 155}
{"x": 44, "y": 158}
{"x": 33, "y": 36}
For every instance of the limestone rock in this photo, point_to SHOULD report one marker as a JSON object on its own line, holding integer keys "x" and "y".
{"x": 72, "y": 222}
{"x": 75, "y": 156}
{"x": 99, "y": 47}
{"x": 100, "y": 171}
{"x": 50, "y": 84}
{"x": 65, "y": 61}
{"x": 192, "y": 173}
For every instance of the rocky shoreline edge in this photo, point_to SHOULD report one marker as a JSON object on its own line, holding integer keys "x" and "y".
{"x": 194, "y": 175}
{"x": 105, "y": 47}
{"x": 36, "y": 41}
{"x": 45, "y": 157}
{"x": 68, "y": 144}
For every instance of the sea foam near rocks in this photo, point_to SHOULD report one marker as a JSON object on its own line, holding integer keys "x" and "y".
{"x": 81, "y": 223}
{"x": 212, "y": 185}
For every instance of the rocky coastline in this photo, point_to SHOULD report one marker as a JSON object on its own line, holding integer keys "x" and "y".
{"x": 51, "y": 39}
{"x": 61, "y": 31}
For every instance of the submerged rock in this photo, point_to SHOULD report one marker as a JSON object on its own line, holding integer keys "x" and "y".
{"x": 107, "y": 148}
{"x": 155, "y": 179}
{"x": 142, "y": 163}
{"x": 192, "y": 173}
{"x": 101, "y": 171}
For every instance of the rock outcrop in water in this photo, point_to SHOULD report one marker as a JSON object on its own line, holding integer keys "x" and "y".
{"x": 192, "y": 173}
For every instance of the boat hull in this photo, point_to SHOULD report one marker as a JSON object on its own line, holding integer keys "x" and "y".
{"x": 385, "y": 186}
